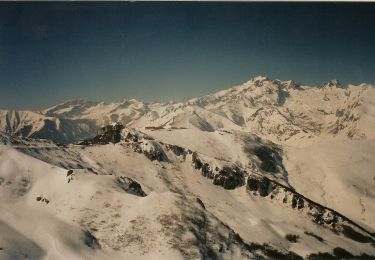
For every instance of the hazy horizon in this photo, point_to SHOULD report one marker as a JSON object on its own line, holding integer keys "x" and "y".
{"x": 54, "y": 52}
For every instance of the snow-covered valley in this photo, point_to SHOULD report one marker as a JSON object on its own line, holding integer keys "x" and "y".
{"x": 268, "y": 169}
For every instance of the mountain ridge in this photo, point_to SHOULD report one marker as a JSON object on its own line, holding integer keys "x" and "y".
{"x": 233, "y": 108}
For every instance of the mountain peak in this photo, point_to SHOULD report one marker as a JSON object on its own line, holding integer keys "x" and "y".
{"x": 260, "y": 78}
{"x": 334, "y": 83}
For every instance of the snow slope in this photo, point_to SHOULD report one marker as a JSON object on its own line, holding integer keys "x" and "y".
{"x": 182, "y": 213}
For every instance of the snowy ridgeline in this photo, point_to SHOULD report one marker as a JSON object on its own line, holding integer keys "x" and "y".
{"x": 265, "y": 170}
{"x": 280, "y": 111}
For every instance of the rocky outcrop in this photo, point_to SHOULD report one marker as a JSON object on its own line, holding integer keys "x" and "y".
{"x": 271, "y": 160}
{"x": 130, "y": 186}
{"x": 105, "y": 135}
{"x": 41, "y": 198}
{"x": 152, "y": 150}
{"x": 229, "y": 178}
{"x": 178, "y": 150}
{"x": 261, "y": 185}
{"x": 90, "y": 240}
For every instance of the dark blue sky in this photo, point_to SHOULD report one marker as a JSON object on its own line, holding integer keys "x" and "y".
{"x": 52, "y": 52}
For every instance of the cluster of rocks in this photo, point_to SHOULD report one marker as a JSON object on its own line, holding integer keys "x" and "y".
{"x": 130, "y": 186}
{"x": 178, "y": 150}
{"x": 142, "y": 143}
{"x": 261, "y": 185}
{"x": 227, "y": 177}
{"x": 205, "y": 168}
{"x": 152, "y": 150}
{"x": 69, "y": 174}
{"x": 105, "y": 135}
{"x": 41, "y": 198}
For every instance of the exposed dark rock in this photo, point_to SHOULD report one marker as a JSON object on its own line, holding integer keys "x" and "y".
{"x": 315, "y": 236}
{"x": 177, "y": 150}
{"x": 70, "y": 172}
{"x": 264, "y": 186}
{"x": 352, "y": 234}
{"x": 229, "y": 178}
{"x": 338, "y": 254}
{"x": 321, "y": 256}
{"x": 294, "y": 201}
{"x": 196, "y": 161}
{"x": 131, "y": 186}
{"x": 252, "y": 183}
{"x": 105, "y": 135}
{"x": 300, "y": 203}
{"x": 342, "y": 253}
{"x": 270, "y": 158}
{"x": 364, "y": 256}
{"x": 200, "y": 202}
{"x": 90, "y": 240}
{"x": 156, "y": 154}
{"x": 206, "y": 171}
{"x": 292, "y": 238}
{"x": 42, "y": 199}
{"x": 260, "y": 184}
{"x": 154, "y": 150}
{"x": 131, "y": 137}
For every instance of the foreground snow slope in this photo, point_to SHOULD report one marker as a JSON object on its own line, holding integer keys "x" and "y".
{"x": 178, "y": 211}
{"x": 339, "y": 174}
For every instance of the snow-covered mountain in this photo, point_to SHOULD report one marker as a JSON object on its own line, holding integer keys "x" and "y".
{"x": 37, "y": 125}
{"x": 268, "y": 169}
{"x": 273, "y": 109}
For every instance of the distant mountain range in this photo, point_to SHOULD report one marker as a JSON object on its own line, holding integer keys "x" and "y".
{"x": 280, "y": 111}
